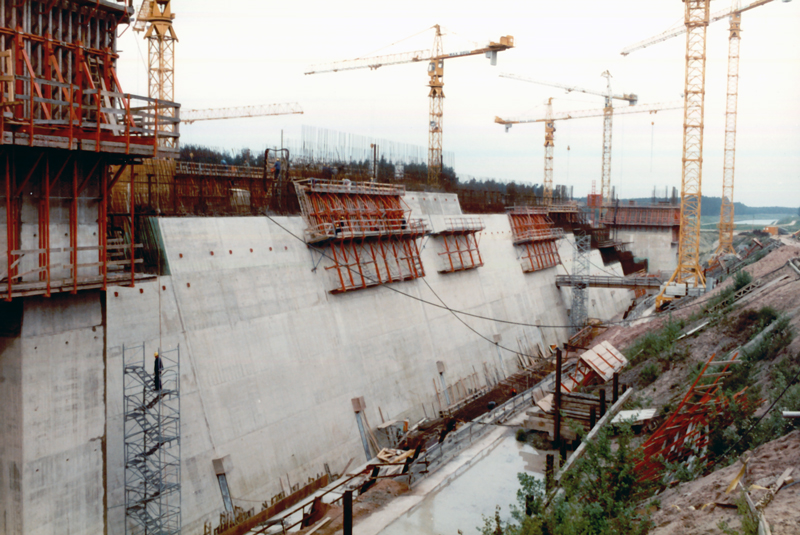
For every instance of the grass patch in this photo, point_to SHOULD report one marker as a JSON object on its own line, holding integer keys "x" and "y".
{"x": 745, "y": 325}
{"x": 772, "y": 343}
{"x": 658, "y": 344}
{"x": 649, "y": 374}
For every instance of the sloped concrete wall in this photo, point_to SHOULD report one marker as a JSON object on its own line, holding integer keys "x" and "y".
{"x": 271, "y": 361}
{"x": 654, "y": 244}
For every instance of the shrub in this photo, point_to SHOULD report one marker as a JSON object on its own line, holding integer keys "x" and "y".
{"x": 522, "y": 436}
{"x": 742, "y": 279}
{"x": 649, "y": 373}
{"x": 601, "y": 493}
{"x": 772, "y": 343}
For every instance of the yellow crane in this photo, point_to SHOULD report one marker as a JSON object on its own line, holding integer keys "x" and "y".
{"x": 289, "y": 108}
{"x": 155, "y": 19}
{"x": 608, "y": 113}
{"x": 695, "y": 43}
{"x": 435, "y": 58}
{"x": 550, "y": 118}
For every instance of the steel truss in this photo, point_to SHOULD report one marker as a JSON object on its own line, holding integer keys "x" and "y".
{"x": 689, "y": 271}
{"x": 460, "y": 244}
{"x": 59, "y": 83}
{"x": 580, "y": 288}
{"x": 48, "y": 182}
{"x": 152, "y": 437}
{"x": 535, "y": 236}
{"x": 726, "y": 224}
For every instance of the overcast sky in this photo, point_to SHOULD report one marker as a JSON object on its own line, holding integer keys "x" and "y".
{"x": 247, "y": 52}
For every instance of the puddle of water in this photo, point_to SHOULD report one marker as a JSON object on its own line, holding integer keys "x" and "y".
{"x": 459, "y": 504}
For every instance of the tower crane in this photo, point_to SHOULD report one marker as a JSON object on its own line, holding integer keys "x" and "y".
{"x": 726, "y": 224}
{"x": 550, "y": 118}
{"x": 696, "y": 20}
{"x": 155, "y": 19}
{"x": 190, "y": 116}
{"x": 608, "y": 95}
{"x": 435, "y": 58}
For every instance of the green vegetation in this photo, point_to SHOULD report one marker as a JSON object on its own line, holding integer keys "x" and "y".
{"x": 658, "y": 344}
{"x": 749, "y": 524}
{"x": 600, "y": 495}
{"x": 649, "y": 374}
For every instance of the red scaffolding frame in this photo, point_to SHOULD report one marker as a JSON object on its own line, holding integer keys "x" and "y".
{"x": 60, "y": 86}
{"x": 363, "y": 229}
{"x": 642, "y": 216}
{"x": 535, "y": 235}
{"x": 460, "y": 250}
{"x": 683, "y": 437}
{"x": 49, "y": 181}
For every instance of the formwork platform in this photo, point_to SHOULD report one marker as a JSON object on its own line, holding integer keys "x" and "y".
{"x": 363, "y": 229}
{"x": 666, "y": 215}
{"x": 535, "y": 235}
{"x": 459, "y": 241}
{"x": 59, "y": 86}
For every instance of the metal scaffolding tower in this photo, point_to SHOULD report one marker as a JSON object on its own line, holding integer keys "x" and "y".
{"x": 152, "y": 435}
{"x": 580, "y": 286}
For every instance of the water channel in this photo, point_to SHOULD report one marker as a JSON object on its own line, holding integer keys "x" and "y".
{"x": 460, "y": 502}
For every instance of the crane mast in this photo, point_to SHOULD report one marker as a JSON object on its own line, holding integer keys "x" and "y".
{"x": 549, "y": 146}
{"x": 608, "y": 115}
{"x": 726, "y": 224}
{"x": 161, "y": 38}
{"x": 689, "y": 271}
{"x": 435, "y": 58}
{"x": 608, "y": 95}
{"x": 436, "y": 113}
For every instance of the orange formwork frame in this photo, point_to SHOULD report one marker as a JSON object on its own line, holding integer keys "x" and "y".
{"x": 75, "y": 178}
{"x": 370, "y": 237}
{"x": 534, "y": 233}
{"x": 460, "y": 243}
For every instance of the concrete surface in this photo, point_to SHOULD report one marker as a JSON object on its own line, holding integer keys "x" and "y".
{"x": 52, "y": 381}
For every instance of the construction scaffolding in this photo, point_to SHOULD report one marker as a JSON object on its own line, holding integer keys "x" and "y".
{"x": 60, "y": 87}
{"x": 580, "y": 288}
{"x": 64, "y": 121}
{"x": 152, "y": 438}
{"x": 459, "y": 244}
{"x": 170, "y": 187}
{"x": 362, "y": 230}
{"x": 631, "y": 215}
{"x": 535, "y": 237}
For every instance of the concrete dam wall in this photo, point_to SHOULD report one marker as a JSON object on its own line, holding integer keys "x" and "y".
{"x": 270, "y": 361}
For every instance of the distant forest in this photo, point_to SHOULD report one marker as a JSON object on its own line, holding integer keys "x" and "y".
{"x": 416, "y": 173}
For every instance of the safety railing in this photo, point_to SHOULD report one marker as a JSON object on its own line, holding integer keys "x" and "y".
{"x": 537, "y": 234}
{"x": 357, "y": 228}
{"x": 455, "y": 225}
{"x": 116, "y": 122}
{"x": 321, "y": 185}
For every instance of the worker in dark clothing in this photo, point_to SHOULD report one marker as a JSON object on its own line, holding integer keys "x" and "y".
{"x": 158, "y": 366}
{"x": 449, "y": 426}
{"x": 277, "y": 169}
